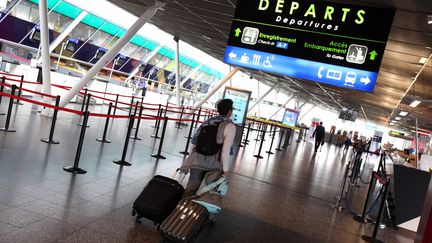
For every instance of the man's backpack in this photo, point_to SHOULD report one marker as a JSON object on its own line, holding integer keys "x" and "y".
{"x": 207, "y": 140}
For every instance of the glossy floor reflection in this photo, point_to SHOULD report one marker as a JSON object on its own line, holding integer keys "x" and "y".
{"x": 281, "y": 198}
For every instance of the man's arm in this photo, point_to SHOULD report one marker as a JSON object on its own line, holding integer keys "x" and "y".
{"x": 313, "y": 134}
{"x": 229, "y": 134}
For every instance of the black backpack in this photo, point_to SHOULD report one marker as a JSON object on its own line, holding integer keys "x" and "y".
{"x": 207, "y": 141}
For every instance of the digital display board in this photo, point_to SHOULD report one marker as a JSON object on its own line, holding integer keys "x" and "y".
{"x": 100, "y": 52}
{"x": 290, "y": 117}
{"x": 240, "y": 100}
{"x": 120, "y": 60}
{"x": 71, "y": 44}
{"x": 348, "y": 114}
{"x": 332, "y": 43}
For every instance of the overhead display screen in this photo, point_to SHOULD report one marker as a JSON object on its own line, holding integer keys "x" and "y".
{"x": 290, "y": 117}
{"x": 71, "y": 44}
{"x": 332, "y": 43}
{"x": 240, "y": 100}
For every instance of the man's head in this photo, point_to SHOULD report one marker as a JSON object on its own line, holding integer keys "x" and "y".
{"x": 320, "y": 123}
{"x": 225, "y": 107}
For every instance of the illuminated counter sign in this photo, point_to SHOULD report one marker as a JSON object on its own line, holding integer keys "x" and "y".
{"x": 240, "y": 100}
{"x": 332, "y": 43}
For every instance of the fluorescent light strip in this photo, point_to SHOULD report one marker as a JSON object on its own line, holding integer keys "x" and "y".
{"x": 403, "y": 113}
{"x": 415, "y": 103}
{"x": 398, "y": 118}
{"x": 408, "y": 89}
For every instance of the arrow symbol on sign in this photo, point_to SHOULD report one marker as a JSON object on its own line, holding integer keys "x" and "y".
{"x": 373, "y": 54}
{"x": 366, "y": 80}
{"x": 237, "y": 32}
{"x": 232, "y": 55}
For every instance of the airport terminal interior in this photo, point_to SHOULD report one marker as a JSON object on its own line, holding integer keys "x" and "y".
{"x": 99, "y": 97}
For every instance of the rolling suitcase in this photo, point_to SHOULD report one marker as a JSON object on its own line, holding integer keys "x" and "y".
{"x": 158, "y": 199}
{"x": 185, "y": 222}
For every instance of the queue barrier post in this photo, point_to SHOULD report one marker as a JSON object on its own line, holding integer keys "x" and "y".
{"x": 104, "y": 139}
{"x": 241, "y": 135}
{"x": 362, "y": 218}
{"x": 287, "y": 138}
{"x": 131, "y": 105}
{"x": 156, "y": 136}
{"x": 138, "y": 124}
{"x": 19, "y": 91}
{"x": 373, "y": 238}
{"x": 87, "y": 104}
{"x": 261, "y": 144}
{"x": 115, "y": 104}
{"x": 281, "y": 134}
{"x": 3, "y": 80}
{"x": 158, "y": 115}
{"x": 50, "y": 139}
{"x": 84, "y": 100}
{"x": 158, "y": 155}
{"x": 339, "y": 198}
{"x": 75, "y": 169}
{"x": 9, "y": 113}
{"x": 246, "y": 140}
{"x": 181, "y": 117}
{"x": 271, "y": 143}
{"x": 123, "y": 161}
{"x": 258, "y": 132}
{"x": 185, "y": 152}
{"x": 198, "y": 117}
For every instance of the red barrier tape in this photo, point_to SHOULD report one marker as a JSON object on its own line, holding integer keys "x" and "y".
{"x": 106, "y": 93}
{"x": 28, "y": 90}
{"x": 41, "y": 103}
{"x": 143, "y": 117}
{"x": 10, "y": 74}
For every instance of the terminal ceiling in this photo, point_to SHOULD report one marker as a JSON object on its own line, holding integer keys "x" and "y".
{"x": 206, "y": 24}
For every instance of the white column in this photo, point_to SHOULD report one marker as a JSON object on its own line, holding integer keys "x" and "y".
{"x": 145, "y": 60}
{"x": 112, "y": 52}
{"x": 177, "y": 70}
{"x": 263, "y": 96}
{"x": 282, "y": 107}
{"x": 215, "y": 88}
{"x": 46, "y": 66}
{"x": 67, "y": 31}
{"x": 190, "y": 75}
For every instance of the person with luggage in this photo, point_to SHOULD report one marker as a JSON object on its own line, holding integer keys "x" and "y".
{"x": 211, "y": 149}
{"x": 319, "y": 134}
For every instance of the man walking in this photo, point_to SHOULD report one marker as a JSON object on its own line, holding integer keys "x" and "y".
{"x": 319, "y": 134}
{"x": 212, "y": 144}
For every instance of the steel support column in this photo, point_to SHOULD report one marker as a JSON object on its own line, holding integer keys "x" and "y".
{"x": 282, "y": 107}
{"x": 44, "y": 43}
{"x": 145, "y": 60}
{"x": 216, "y": 88}
{"x": 177, "y": 70}
{"x": 190, "y": 75}
{"x": 112, "y": 52}
{"x": 263, "y": 96}
{"x": 67, "y": 31}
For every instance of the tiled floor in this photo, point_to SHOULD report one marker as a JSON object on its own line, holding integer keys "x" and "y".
{"x": 281, "y": 198}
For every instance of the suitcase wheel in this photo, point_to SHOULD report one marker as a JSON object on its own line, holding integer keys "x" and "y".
{"x": 134, "y": 212}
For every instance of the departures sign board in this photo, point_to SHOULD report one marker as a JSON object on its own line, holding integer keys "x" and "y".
{"x": 332, "y": 43}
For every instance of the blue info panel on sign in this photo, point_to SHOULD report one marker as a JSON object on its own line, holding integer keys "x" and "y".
{"x": 344, "y": 77}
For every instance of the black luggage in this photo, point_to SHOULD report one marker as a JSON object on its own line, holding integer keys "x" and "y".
{"x": 185, "y": 222}
{"x": 158, "y": 199}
